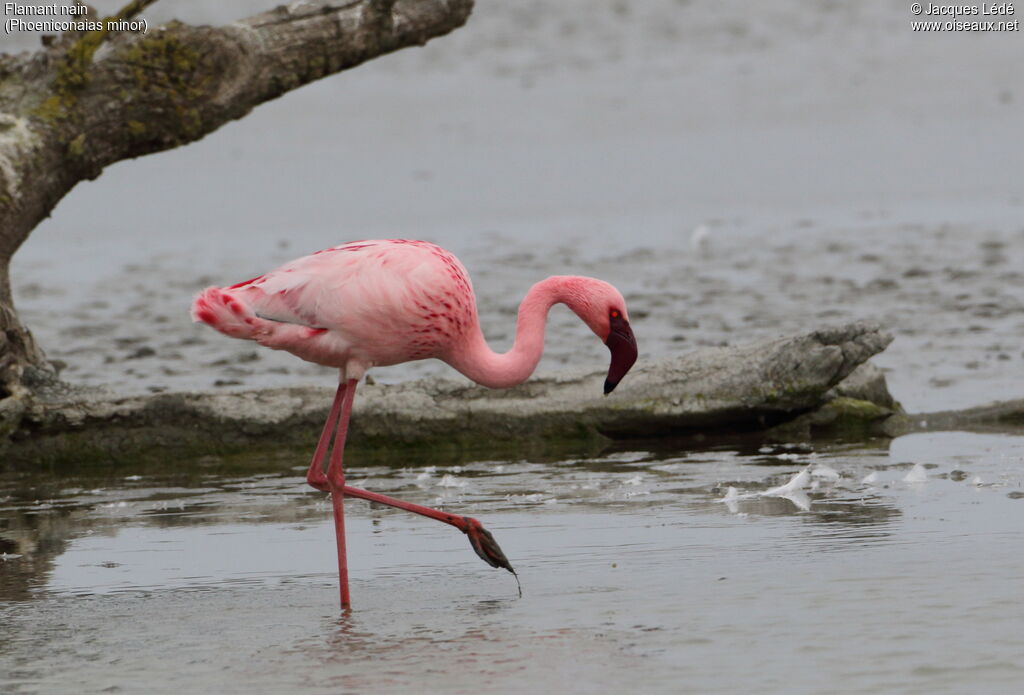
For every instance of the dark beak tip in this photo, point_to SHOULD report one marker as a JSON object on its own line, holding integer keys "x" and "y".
{"x": 622, "y": 345}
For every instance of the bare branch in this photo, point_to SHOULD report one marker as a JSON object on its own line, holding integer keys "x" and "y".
{"x": 90, "y": 99}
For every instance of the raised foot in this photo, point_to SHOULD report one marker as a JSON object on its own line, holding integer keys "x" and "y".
{"x": 487, "y": 548}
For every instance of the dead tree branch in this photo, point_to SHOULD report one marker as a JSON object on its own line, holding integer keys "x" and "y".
{"x": 90, "y": 98}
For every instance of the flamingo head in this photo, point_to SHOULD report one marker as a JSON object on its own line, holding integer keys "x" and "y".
{"x": 603, "y": 309}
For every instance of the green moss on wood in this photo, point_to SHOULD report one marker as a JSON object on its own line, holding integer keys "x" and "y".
{"x": 847, "y": 417}
{"x": 73, "y": 72}
{"x": 76, "y": 148}
{"x": 168, "y": 68}
{"x": 51, "y": 109}
{"x": 854, "y": 409}
{"x": 160, "y": 62}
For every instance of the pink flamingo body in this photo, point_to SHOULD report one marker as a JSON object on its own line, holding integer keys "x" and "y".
{"x": 376, "y": 303}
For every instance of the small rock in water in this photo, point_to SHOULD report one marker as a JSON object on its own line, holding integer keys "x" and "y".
{"x": 917, "y": 474}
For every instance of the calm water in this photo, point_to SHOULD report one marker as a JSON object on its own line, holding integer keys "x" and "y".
{"x": 806, "y": 138}
{"x": 636, "y": 574}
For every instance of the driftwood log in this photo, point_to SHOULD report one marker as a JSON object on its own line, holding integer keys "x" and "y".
{"x": 750, "y": 387}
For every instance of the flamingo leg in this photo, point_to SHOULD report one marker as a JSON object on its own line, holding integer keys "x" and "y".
{"x": 480, "y": 538}
{"x": 315, "y": 477}
{"x": 336, "y": 484}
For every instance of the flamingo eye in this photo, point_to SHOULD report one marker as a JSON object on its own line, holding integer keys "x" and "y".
{"x": 615, "y": 314}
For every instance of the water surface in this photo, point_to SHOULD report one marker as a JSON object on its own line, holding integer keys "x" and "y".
{"x": 636, "y": 574}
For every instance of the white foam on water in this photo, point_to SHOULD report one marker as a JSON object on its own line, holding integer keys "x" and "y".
{"x": 799, "y": 498}
{"x": 917, "y": 474}
{"x": 731, "y": 498}
{"x": 449, "y": 480}
{"x": 798, "y": 482}
{"x": 826, "y": 473}
{"x": 794, "y": 490}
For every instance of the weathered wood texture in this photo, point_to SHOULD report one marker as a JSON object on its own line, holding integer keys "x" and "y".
{"x": 746, "y": 387}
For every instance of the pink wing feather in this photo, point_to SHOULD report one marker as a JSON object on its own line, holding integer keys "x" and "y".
{"x": 374, "y": 302}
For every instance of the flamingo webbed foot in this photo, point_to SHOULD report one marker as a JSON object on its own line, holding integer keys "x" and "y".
{"x": 488, "y": 549}
{"x": 485, "y": 546}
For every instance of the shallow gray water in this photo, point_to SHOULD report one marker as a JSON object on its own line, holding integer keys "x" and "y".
{"x": 837, "y": 177}
{"x": 818, "y": 144}
{"x": 636, "y": 575}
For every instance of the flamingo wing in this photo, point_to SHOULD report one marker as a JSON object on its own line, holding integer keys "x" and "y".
{"x": 392, "y": 300}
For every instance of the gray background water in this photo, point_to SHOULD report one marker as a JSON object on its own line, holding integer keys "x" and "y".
{"x": 844, "y": 167}
{"x": 840, "y": 167}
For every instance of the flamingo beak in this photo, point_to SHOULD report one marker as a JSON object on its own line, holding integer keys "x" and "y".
{"x": 622, "y": 344}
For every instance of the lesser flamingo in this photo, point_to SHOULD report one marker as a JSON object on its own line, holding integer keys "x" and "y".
{"x": 375, "y": 303}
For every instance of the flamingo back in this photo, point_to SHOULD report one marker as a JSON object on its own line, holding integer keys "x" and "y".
{"x": 373, "y": 303}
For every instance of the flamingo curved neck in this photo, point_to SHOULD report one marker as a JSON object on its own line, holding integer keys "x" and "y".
{"x": 484, "y": 366}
